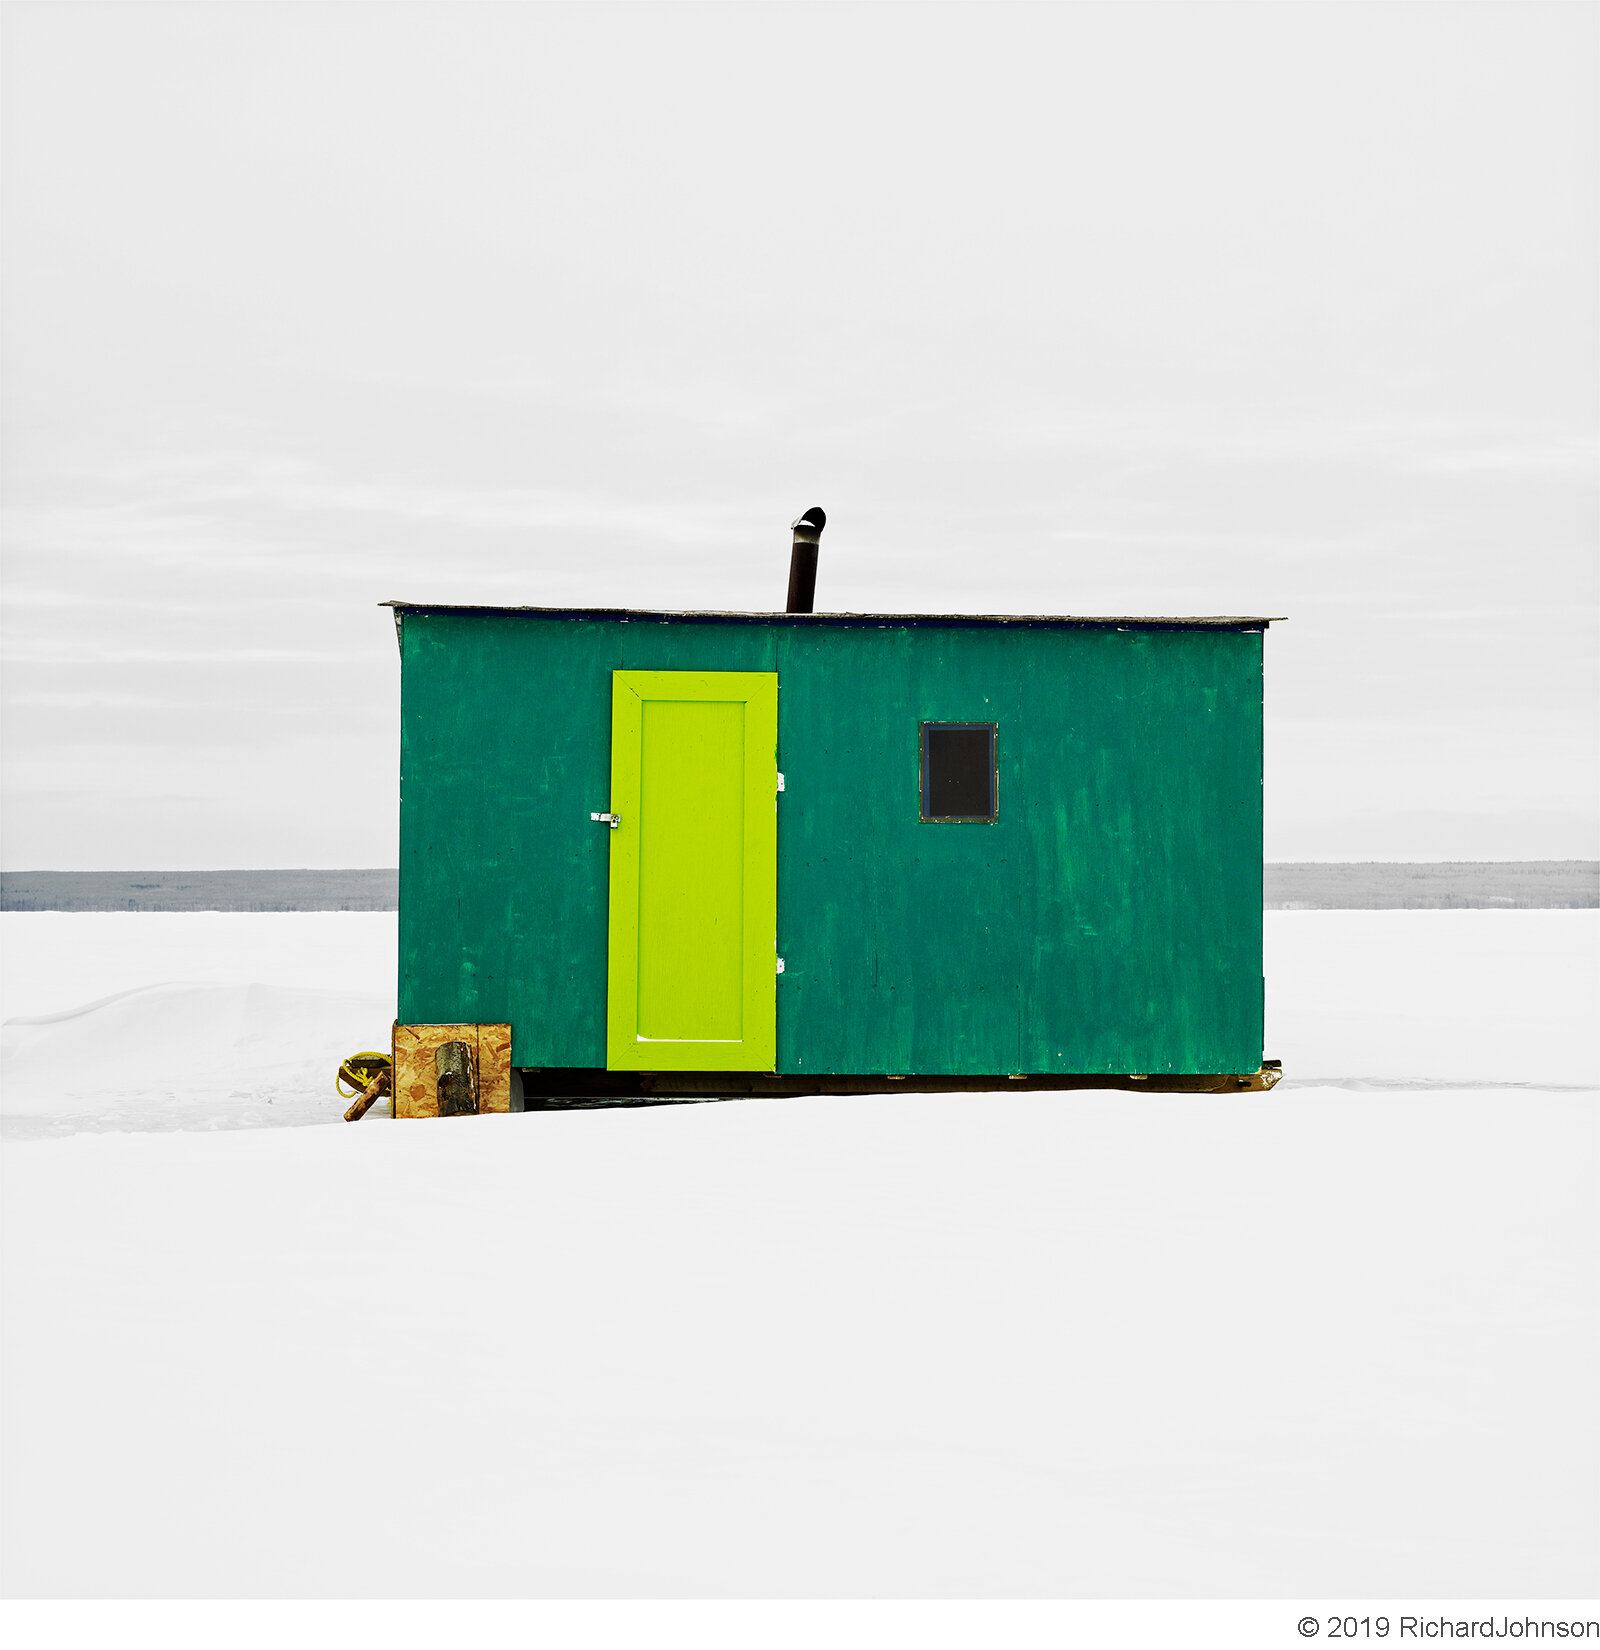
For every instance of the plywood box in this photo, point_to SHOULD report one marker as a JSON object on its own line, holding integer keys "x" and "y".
{"x": 416, "y": 1049}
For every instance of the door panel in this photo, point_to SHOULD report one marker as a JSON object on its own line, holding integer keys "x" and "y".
{"x": 693, "y": 921}
{"x": 691, "y": 871}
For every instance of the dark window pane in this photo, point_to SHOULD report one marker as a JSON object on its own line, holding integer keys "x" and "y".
{"x": 957, "y": 772}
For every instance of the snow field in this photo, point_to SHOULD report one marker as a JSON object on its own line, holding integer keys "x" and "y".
{"x": 1322, "y": 1344}
{"x": 1429, "y": 997}
{"x": 1315, "y": 1343}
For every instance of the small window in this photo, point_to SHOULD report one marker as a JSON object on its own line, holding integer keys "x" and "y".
{"x": 958, "y": 772}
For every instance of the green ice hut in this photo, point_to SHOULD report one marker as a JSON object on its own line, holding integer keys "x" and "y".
{"x": 708, "y": 854}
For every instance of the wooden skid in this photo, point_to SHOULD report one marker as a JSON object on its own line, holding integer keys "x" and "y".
{"x": 415, "y": 1077}
{"x": 585, "y": 1085}
{"x": 362, "y": 1104}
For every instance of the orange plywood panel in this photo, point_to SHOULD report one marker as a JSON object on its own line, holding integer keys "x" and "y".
{"x": 494, "y": 1068}
{"x": 416, "y": 1092}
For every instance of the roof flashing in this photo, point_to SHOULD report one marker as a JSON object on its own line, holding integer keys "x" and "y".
{"x": 854, "y": 620}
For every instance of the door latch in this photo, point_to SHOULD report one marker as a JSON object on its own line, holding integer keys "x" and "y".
{"x": 613, "y": 820}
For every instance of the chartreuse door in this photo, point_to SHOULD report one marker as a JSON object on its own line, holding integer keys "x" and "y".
{"x": 692, "y": 967}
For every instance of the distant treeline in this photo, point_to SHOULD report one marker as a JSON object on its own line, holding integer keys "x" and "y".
{"x": 1459, "y": 885}
{"x": 1535, "y": 884}
{"x": 200, "y": 890}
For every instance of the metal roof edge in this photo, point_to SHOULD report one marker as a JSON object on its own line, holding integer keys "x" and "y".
{"x": 857, "y": 620}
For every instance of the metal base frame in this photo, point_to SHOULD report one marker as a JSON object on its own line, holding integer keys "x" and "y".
{"x": 563, "y": 1087}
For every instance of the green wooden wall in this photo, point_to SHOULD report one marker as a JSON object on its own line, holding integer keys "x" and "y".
{"x": 1109, "y": 921}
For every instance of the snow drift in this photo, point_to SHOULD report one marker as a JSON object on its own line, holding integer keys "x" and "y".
{"x": 185, "y": 1020}
{"x": 184, "y": 1055}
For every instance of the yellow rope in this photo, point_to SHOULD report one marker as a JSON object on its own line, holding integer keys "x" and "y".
{"x": 370, "y": 1061}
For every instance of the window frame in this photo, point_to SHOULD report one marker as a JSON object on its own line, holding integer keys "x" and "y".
{"x": 924, "y": 779}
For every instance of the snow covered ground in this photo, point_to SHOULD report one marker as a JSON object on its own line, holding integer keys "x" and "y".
{"x": 175, "y": 1020}
{"x": 1339, "y": 1340}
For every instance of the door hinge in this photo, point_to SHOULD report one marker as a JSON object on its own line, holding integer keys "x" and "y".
{"x": 780, "y": 781}
{"x": 780, "y": 965}
{"x": 613, "y": 820}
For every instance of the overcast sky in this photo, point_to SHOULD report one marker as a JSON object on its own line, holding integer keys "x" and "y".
{"x": 1274, "y": 309}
